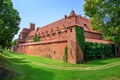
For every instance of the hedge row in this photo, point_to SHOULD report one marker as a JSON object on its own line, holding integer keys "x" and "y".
{"x": 98, "y": 50}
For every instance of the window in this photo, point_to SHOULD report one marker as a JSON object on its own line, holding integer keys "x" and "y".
{"x": 65, "y": 31}
{"x": 85, "y": 25}
{"x": 53, "y": 34}
{"x": 71, "y": 30}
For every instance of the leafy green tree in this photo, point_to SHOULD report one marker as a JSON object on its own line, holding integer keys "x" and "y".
{"x": 9, "y": 22}
{"x": 13, "y": 42}
{"x": 105, "y": 17}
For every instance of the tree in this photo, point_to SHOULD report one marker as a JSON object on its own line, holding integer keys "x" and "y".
{"x": 105, "y": 17}
{"x": 9, "y": 22}
{"x": 13, "y": 42}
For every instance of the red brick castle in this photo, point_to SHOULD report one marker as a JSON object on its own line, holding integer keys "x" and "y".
{"x": 56, "y": 36}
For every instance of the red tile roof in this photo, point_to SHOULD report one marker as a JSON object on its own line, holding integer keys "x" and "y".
{"x": 68, "y": 21}
{"x": 99, "y": 41}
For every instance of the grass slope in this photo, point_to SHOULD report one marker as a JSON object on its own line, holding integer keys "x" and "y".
{"x": 29, "y": 68}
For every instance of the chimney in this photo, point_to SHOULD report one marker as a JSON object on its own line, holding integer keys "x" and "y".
{"x": 65, "y": 16}
{"x": 37, "y": 28}
{"x": 32, "y": 26}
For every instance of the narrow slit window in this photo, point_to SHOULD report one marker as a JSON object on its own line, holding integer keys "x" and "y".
{"x": 71, "y": 30}
{"x": 85, "y": 25}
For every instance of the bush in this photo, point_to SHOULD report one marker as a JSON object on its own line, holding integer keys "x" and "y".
{"x": 65, "y": 54}
{"x": 6, "y": 50}
{"x": 98, "y": 50}
{"x": 36, "y": 38}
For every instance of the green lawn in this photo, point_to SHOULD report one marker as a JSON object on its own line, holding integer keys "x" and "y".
{"x": 38, "y": 68}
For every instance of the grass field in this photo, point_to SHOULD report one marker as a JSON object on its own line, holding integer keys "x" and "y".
{"x": 38, "y": 68}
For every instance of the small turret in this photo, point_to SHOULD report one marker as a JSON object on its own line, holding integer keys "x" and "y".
{"x": 32, "y": 26}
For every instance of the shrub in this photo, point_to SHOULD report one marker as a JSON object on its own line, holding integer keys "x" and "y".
{"x": 36, "y": 38}
{"x": 65, "y": 54}
{"x": 98, "y": 50}
{"x": 6, "y": 50}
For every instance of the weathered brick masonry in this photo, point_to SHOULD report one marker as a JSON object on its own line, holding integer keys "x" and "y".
{"x": 47, "y": 49}
{"x": 56, "y": 36}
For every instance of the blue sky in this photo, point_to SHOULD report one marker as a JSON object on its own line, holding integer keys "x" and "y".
{"x": 43, "y": 12}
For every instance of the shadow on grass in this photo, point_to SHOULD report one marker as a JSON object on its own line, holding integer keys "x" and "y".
{"x": 24, "y": 70}
{"x": 2, "y": 60}
{"x": 97, "y": 62}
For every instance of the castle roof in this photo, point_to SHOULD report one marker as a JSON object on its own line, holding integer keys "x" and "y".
{"x": 66, "y": 22}
{"x": 26, "y": 30}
